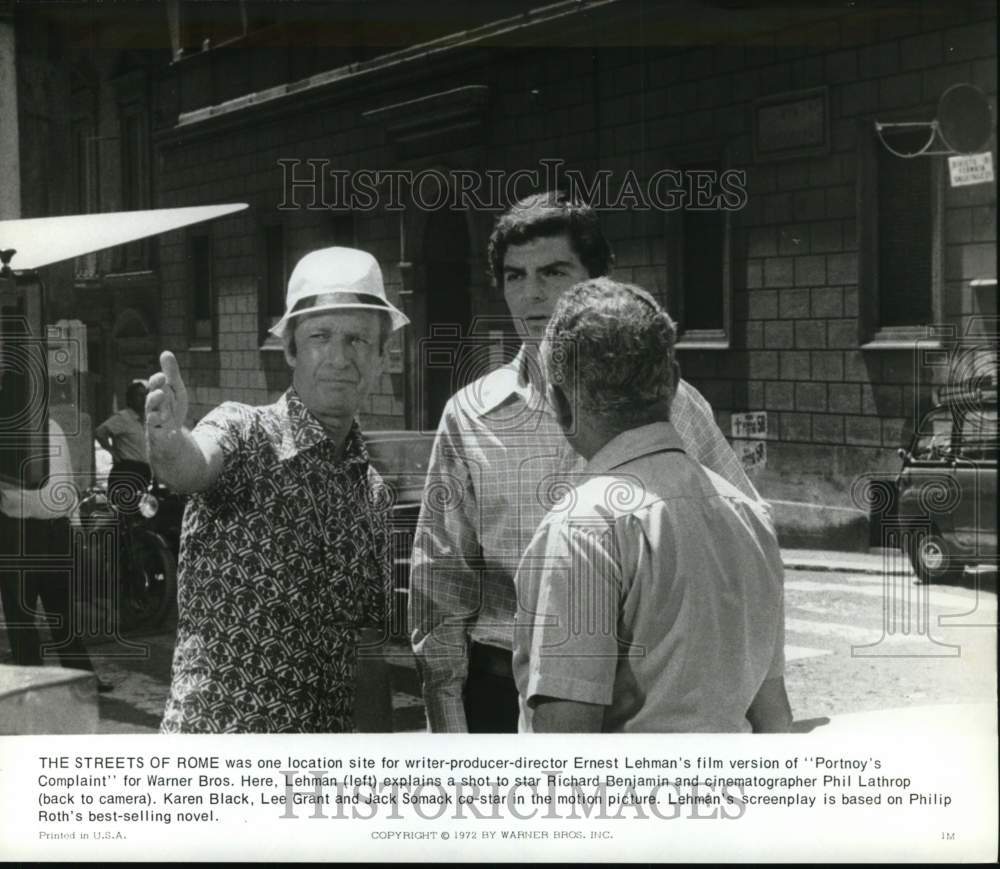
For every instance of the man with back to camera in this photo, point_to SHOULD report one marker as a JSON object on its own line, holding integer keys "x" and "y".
{"x": 285, "y": 555}
{"x": 498, "y": 463}
{"x": 651, "y": 595}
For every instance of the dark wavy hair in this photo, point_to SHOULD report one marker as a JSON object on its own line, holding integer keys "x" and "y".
{"x": 135, "y": 393}
{"x": 546, "y": 214}
{"x": 611, "y": 345}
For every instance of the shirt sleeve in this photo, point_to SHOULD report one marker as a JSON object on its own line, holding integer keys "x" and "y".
{"x": 566, "y": 637}
{"x": 445, "y": 579}
{"x": 228, "y": 425}
{"x": 762, "y": 527}
{"x": 113, "y": 424}
{"x": 703, "y": 440}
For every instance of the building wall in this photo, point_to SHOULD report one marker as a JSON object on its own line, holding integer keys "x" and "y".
{"x": 835, "y": 410}
{"x": 74, "y": 75}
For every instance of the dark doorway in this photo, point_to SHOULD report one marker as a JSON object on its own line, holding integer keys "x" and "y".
{"x": 446, "y": 270}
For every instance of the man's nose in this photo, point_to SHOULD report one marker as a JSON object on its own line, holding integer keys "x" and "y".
{"x": 534, "y": 287}
{"x": 339, "y": 353}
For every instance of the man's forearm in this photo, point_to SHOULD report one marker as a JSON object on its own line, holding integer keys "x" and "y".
{"x": 180, "y": 463}
{"x": 566, "y": 716}
{"x": 445, "y": 708}
{"x": 770, "y": 711}
{"x": 442, "y": 662}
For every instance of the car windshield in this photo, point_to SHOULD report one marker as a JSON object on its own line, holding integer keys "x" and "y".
{"x": 934, "y": 436}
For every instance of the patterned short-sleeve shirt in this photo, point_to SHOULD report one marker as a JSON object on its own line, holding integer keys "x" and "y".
{"x": 282, "y": 561}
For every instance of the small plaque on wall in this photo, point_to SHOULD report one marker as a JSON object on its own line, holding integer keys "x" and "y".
{"x": 791, "y": 125}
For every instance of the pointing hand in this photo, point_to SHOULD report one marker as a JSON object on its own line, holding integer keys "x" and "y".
{"x": 166, "y": 403}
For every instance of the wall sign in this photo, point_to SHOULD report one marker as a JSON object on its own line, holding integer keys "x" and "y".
{"x": 749, "y": 425}
{"x": 966, "y": 169}
{"x": 753, "y": 454}
{"x": 791, "y": 125}
{"x": 746, "y": 429}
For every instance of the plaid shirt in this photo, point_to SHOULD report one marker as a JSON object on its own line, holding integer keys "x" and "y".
{"x": 499, "y": 463}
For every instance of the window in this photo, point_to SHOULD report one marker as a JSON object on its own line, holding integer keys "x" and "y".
{"x": 978, "y": 437}
{"x": 900, "y": 224}
{"x": 132, "y": 90}
{"x": 85, "y": 166}
{"x": 201, "y": 302}
{"x": 133, "y": 256}
{"x": 131, "y": 141}
{"x": 701, "y": 292}
{"x": 273, "y": 281}
{"x": 85, "y": 176}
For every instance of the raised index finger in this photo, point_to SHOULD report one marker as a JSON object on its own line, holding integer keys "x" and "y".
{"x": 171, "y": 370}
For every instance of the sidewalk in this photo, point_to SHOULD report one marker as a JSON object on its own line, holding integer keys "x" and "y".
{"x": 875, "y": 561}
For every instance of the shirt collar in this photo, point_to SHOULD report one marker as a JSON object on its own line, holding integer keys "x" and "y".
{"x": 513, "y": 379}
{"x": 634, "y": 444}
{"x": 304, "y": 431}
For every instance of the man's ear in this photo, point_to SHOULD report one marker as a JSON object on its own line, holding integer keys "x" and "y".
{"x": 561, "y": 405}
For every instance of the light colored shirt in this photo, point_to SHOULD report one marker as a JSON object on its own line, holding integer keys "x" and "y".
{"x": 58, "y": 497}
{"x": 499, "y": 463}
{"x": 129, "y": 435}
{"x": 654, "y": 589}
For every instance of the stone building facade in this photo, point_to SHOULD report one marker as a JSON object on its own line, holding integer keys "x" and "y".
{"x": 826, "y": 282}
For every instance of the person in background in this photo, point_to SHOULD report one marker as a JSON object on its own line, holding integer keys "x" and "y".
{"x": 35, "y": 525}
{"x": 285, "y": 563}
{"x": 651, "y": 596}
{"x": 123, "y": 435}
{"x": 498, "y": 461}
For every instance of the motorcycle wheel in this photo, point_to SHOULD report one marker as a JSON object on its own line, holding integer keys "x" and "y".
{"x": 149, "y": 583}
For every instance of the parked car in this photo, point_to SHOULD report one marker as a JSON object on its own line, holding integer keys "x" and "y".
{"x": 947, "y": 488}
{"x": 401, "y": 458}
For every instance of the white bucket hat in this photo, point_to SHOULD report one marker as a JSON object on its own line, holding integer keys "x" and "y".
{"x": 336, "y": 278}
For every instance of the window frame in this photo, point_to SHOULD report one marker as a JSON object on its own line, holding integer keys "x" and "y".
{"x": 195, "y": 342}
{"x": 86, "y": 173}
{"x": 687, "y": 338}
{"x": 132, "y": 91}
{"x": 267, "y": 341}
{"x": 872, "y": 335}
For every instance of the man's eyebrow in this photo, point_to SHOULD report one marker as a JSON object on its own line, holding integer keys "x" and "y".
{"x": 547, "y": 265}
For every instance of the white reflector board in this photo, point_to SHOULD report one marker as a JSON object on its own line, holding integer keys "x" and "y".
{"x": 41, "y": 241}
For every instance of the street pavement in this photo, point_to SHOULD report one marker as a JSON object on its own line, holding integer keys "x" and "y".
{"x": 861, "y": 635}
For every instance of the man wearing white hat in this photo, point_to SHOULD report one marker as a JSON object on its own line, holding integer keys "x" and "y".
{"x": 284, "y": 550}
